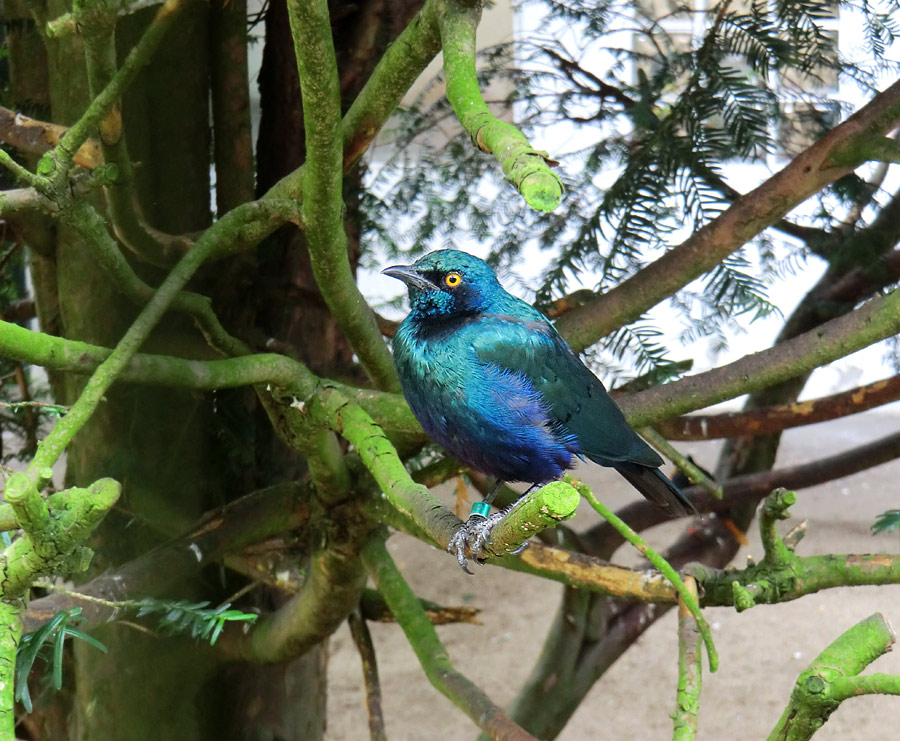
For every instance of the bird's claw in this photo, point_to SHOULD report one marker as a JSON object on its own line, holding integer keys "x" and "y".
{"x": 474, "y": 535}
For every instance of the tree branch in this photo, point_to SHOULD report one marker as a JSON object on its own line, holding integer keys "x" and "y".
{"x": 546, "y": 507}
{"x": 748, "y": 216}
{"x": 398, "y": 69}
{"x": 781, "y": 576}
{"x": 230, "y": 92}
{"x": 525, "y": 167}
{"x": 833, "y": 677}
{"x": 322, "y": 198}
{"x": 749, "y": 488}
{"x": 51, "y": 542}
{"x": 91, "y": 225}
{"x": 690, "y": 670}
{"x": 380, "y": 458}
{"x": 56, "y": 163}
{"x": 662, "y": 566}
{"x": 363, "y": 640}
{"x": 242, "y": 226}
{"x": 37, "y": 137}
{"x": 331, "y": 591}
{"x": 59, "y": 354}
{"x": 430, "y": 651}
{"x": 764, "y": 420}
{"x": 152, "y": 246}
{"x": 579, "y": 570}
{"x": 250, "y": 519}
{"x": 872, "y": 322}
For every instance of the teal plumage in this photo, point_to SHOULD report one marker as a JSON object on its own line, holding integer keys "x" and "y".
{"x": 491, "y": 380}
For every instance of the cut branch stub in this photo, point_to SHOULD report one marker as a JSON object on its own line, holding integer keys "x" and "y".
{"x": 546, "y": 507}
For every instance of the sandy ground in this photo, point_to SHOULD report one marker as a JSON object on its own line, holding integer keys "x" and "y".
{"x": 761, "y": 651}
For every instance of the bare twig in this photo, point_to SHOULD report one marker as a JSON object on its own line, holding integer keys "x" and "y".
{"x": 363, "y": 640}
{"x": 661, "y": 565}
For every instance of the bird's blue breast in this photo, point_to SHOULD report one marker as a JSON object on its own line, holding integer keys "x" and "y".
{"x": 486, "y": 416}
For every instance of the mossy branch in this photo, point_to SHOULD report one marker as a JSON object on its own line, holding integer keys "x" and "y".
{"x": 834, "y": 677}
{"x": 57, "y": 353}
{"x": 330, "y": 592}
{"x": 524, "y": 166}
{"x": 53, "y": 530}
{"x": 83, "y": 218}
{"x": 428, "y": 647}
{"x": 20, "y": 172}
{"x": 380, "y": 458}
{"x": 247, "y": 224}
{"x": 391, "y": 79}
{"x": 160, "y": 370}
{"x": 56, "y": 163}
{"x": 402, "y": 63}
{"x": 545, "y": 507}
{"x": 10, "y": 635}
{"x": 252, "y": 518}
{"x": 26, "y": 201}
{"x": 874, "y": 321}
{"x": 879, "y": 149}
{"x": 781, "y": 575}
{"x": 690, "y": 670}
{"x": 149, "y": 244}
{"x": 776, "y": 507}
{"x": 322, "y": 205}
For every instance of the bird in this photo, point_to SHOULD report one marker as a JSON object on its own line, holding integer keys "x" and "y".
{"x": 491, "y": 380}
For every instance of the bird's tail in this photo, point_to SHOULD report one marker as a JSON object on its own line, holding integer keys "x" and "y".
{"x": 653, "y": 485}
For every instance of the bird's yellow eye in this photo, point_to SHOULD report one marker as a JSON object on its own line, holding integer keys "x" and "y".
{"x": 452, "y": 280}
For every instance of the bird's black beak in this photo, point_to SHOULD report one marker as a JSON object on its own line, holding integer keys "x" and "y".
{"x": 410, "y": 276}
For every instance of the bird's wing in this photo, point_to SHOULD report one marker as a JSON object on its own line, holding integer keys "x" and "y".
{"x": 575, "y": 398}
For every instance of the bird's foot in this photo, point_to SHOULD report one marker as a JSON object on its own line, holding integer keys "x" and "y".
{"x": 475, "y": 535}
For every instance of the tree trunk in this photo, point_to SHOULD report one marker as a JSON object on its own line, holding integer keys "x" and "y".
{"x": 144, "y": 687}
{"x": 155, "y": 687}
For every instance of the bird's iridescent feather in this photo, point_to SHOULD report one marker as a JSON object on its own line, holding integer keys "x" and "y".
{"x": 491, "y": 380}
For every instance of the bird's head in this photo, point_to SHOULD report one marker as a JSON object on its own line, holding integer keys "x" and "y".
{"x": 448, "y": 283}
